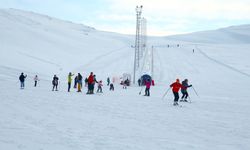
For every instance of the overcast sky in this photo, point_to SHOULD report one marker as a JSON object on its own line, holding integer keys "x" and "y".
{"x": 164, "y": 17}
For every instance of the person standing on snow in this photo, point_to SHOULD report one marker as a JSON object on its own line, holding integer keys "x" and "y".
{"x": 184, "y": 90}
{"x": 99, "y": 90}
{"x": 175, "y": 88}
{"x": 90, "y": 83}
{"x": 79, "y": 82}
{"x": 22, "y": 79}
{"x": 75, "y": 82}
{"x": 111, "y": 87}
{"x": 147, "y": 84}
{"x": 108, "y": 81}
{"x": 55, "y": 82}
{"x": 70, "y": 80}
{"x": 36, "y": 80}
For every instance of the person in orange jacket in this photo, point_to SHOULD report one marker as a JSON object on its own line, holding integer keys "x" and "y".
{"x": 176, "y": 86}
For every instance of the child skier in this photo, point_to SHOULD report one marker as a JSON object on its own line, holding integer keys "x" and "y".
{"x": 184, "y": 90}
{"x": 36, "y": 80}
{"x": 175, "y": 88}
{"x": 111, "y": 87}
{"x": 99, "y": 90}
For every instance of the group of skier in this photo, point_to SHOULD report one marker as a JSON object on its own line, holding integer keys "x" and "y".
{"x": 176, "y": 86}
{"x": 90, "y": 82}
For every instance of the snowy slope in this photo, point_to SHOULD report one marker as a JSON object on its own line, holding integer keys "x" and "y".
{"x": 37, "y": 118}
{"x": 29, "y": 38}
{"x": 230, "y": 35}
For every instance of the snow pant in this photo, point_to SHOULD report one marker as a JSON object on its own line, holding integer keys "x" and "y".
{"x": 69, "y": 86}
{"x": 99, "y": 90}
{"x": 79, "y": 86}
{"x": 22, "y": 85}
{"x": 75, "y": 83}
{"x": 111, "y": 88}
{"x": 184, "y": 94}
{"x": 176, "y": 96}
{"x": 54, "y": 86}
{"x": 147, "y": 93}
{"x": 35, "y": 83}
{"x": 90, "y": 88}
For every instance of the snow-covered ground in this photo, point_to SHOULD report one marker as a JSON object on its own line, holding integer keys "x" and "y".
{"x": 37, "y": 118}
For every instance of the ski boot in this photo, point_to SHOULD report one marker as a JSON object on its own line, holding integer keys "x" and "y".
{"x": 176, "y": 104}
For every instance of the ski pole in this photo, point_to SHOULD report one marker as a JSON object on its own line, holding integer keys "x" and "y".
{"x": 140, "y": 90}
{"x": 195, "y": 91}
{"x": 165, "y": 93}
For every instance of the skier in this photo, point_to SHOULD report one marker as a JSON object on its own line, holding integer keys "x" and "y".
{"x": 139, "y": 81}
{"x": 90, "y": 83}
{"x": 108, "y": 81}
{"x": 99, "y": 90}
{"x": 184, "y": 90}
{"x": 55, "y": 82}
{"x": 36, "y": 80}
{"x": 22, "y": 79}
{"x": 86, "y": 82}
{"x": 175, "y": 88}
{"x": 93, "y": 86}
{"x": 111, "y": 87}
{"x": 75, "y": 82}
{"x": 69, "y": 80}
{"x": 148, "y": 84}
{"x": 79, "y": 82}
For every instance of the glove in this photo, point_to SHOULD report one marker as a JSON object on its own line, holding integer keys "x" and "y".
{"x": 191, "y": 85}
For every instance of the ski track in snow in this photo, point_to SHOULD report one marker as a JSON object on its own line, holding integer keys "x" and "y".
{"x": 221, "y": 63}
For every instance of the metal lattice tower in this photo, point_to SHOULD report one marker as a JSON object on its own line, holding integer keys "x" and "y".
{"x": 137, "y": 40}
{"x": 143, "y": 34}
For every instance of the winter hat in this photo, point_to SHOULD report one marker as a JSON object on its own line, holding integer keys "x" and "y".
{"x": 177, "y": 80}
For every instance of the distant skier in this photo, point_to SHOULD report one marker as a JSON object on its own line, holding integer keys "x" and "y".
{"x": 86, "y": 82}
{"x": 36, "y": 79}
{"x": 175, "y": 88}
{"x": 70, "y": 80}
{"x": 139, "y": 81}
{"x": 93, "y": 86}
{"x": 55, "y": 82}
{"x": 108, "y": 81}
{"x": 75, "y": 82}
{"x": 193, "y": 50}
{"x": 184, "y": 90}
{"x": 79, "y": 82}
{"x": 147, "y": 90}
{"x": 99, "y": 90}
{"x": 125, "y": 84}
{"x": 111, "y": 87}
{"x": 22, "y": 79}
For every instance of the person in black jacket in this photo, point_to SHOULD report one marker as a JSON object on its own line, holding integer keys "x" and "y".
{"x": 55, "y": 82}
{"x": 184, "y": 90}
{"x": 22, "y": 79}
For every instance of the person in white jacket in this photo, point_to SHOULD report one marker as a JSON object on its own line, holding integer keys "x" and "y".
{"x": 36, "y": 80}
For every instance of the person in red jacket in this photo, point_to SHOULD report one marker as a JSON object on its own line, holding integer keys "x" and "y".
{"x": 90, "y": 84}
{"x": 176, "y": 86}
